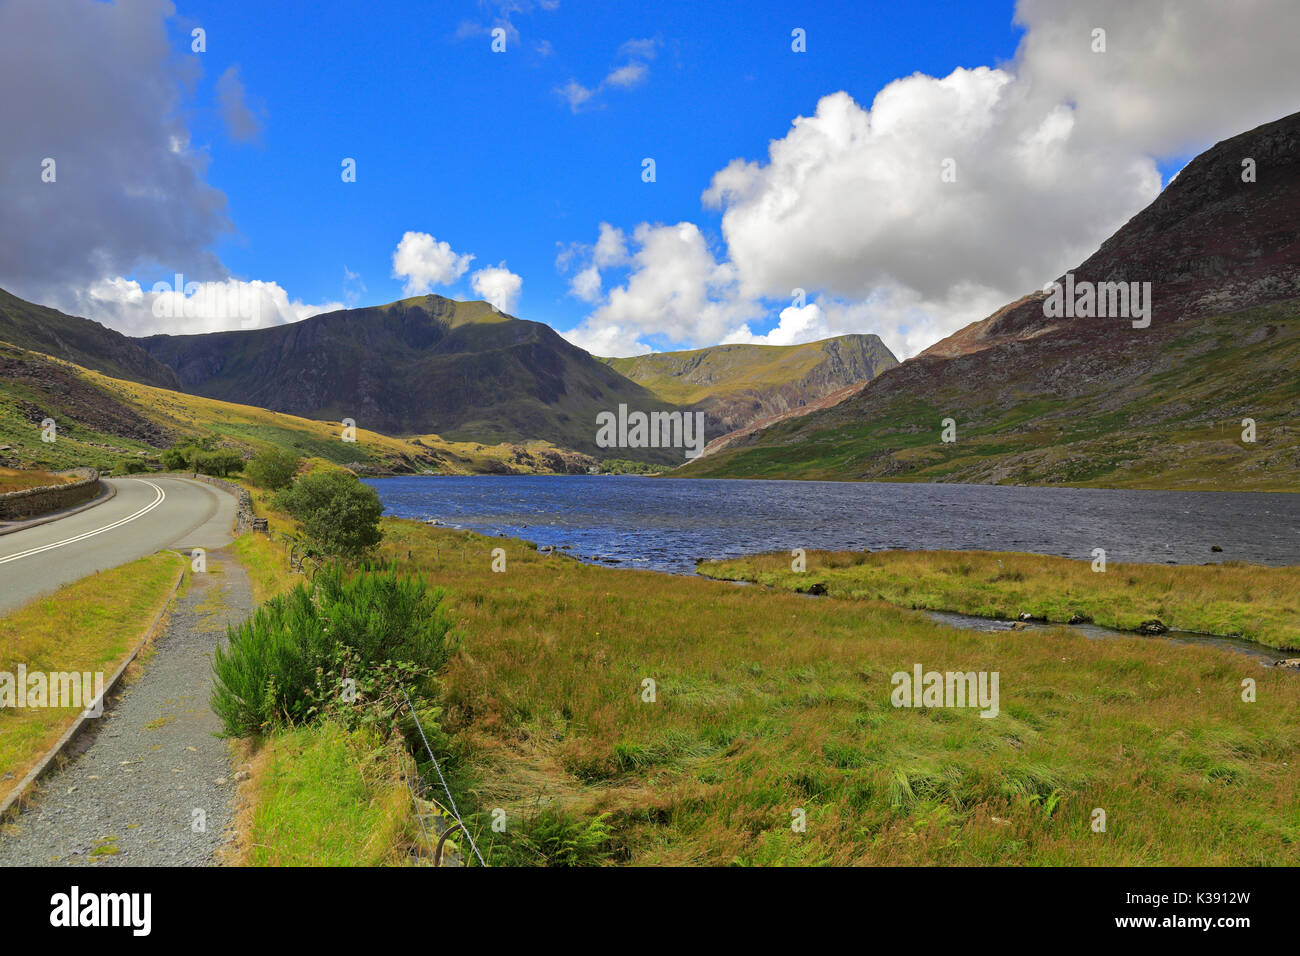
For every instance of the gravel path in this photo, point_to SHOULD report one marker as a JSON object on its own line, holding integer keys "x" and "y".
{"x": 152, "y": 760}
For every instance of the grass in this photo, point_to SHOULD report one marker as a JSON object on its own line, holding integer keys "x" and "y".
{"x": 267, "y": 565}
{"x": 1232, "y": 599}
{"x": 324, "y": 796}
{"x": 768, "y": 702}
{"x": 14, "y": 480}
{"x": 90, "y": 625}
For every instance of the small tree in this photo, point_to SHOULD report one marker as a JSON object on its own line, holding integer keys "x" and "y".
{"x": 272, "y": 468}
{"x": 221, "y": 462}
{"x": 338, "y": 513}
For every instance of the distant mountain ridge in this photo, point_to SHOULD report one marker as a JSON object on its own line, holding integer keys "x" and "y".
{"x": 740, "y": 384}
{"x": 421, "y": 365}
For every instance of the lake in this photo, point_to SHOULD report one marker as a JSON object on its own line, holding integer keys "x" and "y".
{"x": 666, "y": 524}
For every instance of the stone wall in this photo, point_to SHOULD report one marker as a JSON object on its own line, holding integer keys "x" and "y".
{"x": 33, "y": 502}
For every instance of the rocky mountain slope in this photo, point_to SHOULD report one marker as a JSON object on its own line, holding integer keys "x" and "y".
{"x": 78, "y": 340}
{"x": 105, "y": 422}
{"x": 1040, "y": 399}
{"x": 738, "y": 385}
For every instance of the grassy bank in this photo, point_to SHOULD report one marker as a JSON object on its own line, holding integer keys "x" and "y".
{"x": 767, "y": 703}
{"x": 326, "y": 796}
{"x": 1230, "y": 599}
{"x": 12, "y": 479}
{"x": 90, "y": 625}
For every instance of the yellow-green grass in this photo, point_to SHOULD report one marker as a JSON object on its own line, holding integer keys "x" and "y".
{"x": 90, "y": 625}
{"x": 267, "y": 564}
{"x": 725, "y": 369}
{"x": 1232, "y": 599}
{"x": 12, "y": 479}
{"x": 326, "y": 796}
{"x": 769, "y": 702}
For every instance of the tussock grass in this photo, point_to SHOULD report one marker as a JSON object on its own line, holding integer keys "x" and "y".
{"x": 12, "y": 479}
{"x": 1230, "y": 599}
{"x": 326, "y": 796}
{"x": 768, "y": 702}
{"x": 90, "y": 625}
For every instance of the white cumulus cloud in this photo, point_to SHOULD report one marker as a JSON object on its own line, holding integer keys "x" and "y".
{"x": 497, "y": 286}
{"x": 425, "y": 262}
{"x": 946, "y": 197}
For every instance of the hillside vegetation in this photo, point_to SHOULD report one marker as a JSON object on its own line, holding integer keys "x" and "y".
{"x": 103, "y": 420}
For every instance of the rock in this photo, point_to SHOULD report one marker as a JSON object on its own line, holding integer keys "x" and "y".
{"x": 242, "y": 775}
{"x": 1292, "y": 663}
{"x": 1152, "y": 626}
{"x": 1017, "y": 626}
{"x": 817, "y": 588}
{"x": 1077, "y": 619}
{"x": 1215, "y": 548}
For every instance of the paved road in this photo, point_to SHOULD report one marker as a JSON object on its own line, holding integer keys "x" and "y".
{"x": 146, "y": 515}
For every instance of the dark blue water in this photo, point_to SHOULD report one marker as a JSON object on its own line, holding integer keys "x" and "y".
{"x": 667, "y": 523}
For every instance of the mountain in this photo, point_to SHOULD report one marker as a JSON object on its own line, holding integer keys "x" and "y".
{"x": 736, "y": 385}
{"x": 1043, "y": 398}
{"x": 82, "y": 341}
{"x": 420, "y": 365}
{"x": 104, "y": 421}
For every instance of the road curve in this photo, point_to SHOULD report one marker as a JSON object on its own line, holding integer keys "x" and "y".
{"x": 146, "y": 515}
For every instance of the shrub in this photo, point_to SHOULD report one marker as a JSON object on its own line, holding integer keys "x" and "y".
{"x": 272, "y": 469}
{"x": 339, "y": 514}
{"x": 132, "y": 466}
{"x": 221, "y": 462}
{"x": 202, "y": 455}
{"x": 281, "y": 664}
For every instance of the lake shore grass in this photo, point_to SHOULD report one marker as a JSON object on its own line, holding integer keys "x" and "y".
{"x": 768, "y": 705}
{"x": 1232, "y": 599}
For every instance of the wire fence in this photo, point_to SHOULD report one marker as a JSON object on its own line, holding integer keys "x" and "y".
{"x": 451, "y": 801}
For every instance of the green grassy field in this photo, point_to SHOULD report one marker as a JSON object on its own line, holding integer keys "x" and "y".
{"x": 1232, "y": 599}
{"x": 768, "y": 703}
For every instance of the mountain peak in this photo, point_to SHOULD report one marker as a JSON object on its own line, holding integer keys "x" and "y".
{"x": 1220, "y": 237}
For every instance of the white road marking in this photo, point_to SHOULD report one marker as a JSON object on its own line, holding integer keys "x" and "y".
{"x": 108, "y": 527}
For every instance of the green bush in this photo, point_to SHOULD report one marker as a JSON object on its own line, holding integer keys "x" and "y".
{"x": 203, "y": 456}
{"x": 221, "y": 462}
{"x": 272, "y": 469}
{"x": 339, "y": 514}
{"x": 132, "y": 466}
{"x": 288, "y": 661}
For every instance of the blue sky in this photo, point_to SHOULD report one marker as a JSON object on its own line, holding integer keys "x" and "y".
{"x": 481, "y": 151}
{"x": 915, "y": 168}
